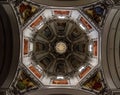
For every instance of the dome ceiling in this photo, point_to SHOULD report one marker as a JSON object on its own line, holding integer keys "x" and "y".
{"x": 67, "y": 47}
{"x": 60, "y": 47}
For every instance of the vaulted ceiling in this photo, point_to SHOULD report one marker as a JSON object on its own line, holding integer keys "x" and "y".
{"x": 60, "y": 47}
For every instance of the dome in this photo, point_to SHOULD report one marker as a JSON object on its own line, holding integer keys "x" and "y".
{"x": 60, "y": 47}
